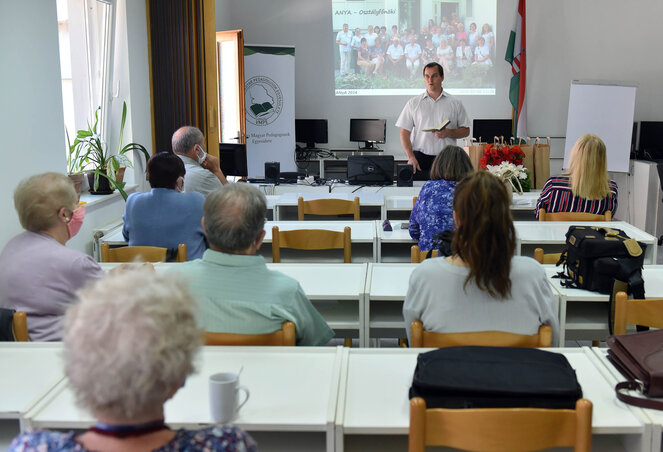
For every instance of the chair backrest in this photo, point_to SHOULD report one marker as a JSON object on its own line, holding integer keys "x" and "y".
{"x": 543, "y": 258}
{"x": 311, "y": 239}
{"x": 637, "y": 312}
{"x": 417, "y": 256}
{"x": 500, "y": 429}
{"x": 423, "y": 338}
{"x": 20, "y": 327}
{"x": 414, "y": 201}
{"x": 573, "y": 216}
{"x": 328, "y": 206}
{"x": 284, "y": 336}
{"x": 142, "y": 253}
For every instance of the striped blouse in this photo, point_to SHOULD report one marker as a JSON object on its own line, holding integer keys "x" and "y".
{"x": 556, "y": 196}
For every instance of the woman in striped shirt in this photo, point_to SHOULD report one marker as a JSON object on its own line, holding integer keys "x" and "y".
{"x": 586, "y": 186}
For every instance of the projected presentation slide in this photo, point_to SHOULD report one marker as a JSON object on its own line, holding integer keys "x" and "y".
{"x": 381, "y": 46}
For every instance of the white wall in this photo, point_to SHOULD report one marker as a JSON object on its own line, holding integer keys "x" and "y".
{"x": 31, "y": 117}
{"x": 566, "y": 39}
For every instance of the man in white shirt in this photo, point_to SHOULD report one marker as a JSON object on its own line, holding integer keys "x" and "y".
{"x": 395, "y": 57}
{"x": 203, "y": 173}
{"x": 370, "y": 37}
{"x": 344, "y": 40}
{"x": 429, "y": 110}
{"x": 412, "y": 56}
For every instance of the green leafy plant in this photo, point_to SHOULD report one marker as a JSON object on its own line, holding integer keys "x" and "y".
{"x": 88, "y": 149}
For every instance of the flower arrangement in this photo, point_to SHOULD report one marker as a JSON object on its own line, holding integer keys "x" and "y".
{"x": 505, "y": 162}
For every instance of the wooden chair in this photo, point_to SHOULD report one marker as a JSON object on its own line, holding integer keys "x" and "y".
{"x": 500, "y": 429}
{"x": 637, "y": 312}
{"x": 311, "y": 239}
{"x": 414, "y": 201}
{"x": 573, "y": 216}
{"x": 20, "y": 327}
{"x": 284, "y": 336}
{"x": 327, "y": 207}
{"x": 142, "y": 253}
{"x": 549, "y": 258}
{"x": 417, "y": 256}
{"x": 423, "y": 338}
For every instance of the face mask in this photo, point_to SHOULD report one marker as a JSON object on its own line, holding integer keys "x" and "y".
{"x": 76, "y": 221}
{"x": 202, "y": 156}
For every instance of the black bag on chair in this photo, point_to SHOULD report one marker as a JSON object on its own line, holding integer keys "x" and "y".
{"x": 603, "y": 260}
{"x": 495, "y": 377}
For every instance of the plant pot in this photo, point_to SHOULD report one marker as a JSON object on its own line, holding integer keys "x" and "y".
{"x": 119, "y": 174}
{"x": 104, "y": 186}
{"x": 77, "y": 179}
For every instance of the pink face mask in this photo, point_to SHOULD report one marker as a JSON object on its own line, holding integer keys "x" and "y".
{"x": 76, "y": 221}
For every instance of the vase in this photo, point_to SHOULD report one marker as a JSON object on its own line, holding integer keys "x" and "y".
{"x": 104, "y": 187}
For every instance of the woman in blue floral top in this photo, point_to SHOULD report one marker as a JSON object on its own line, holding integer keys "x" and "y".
{"x": 129, "y": 344}
{"x": 433, "y": 211}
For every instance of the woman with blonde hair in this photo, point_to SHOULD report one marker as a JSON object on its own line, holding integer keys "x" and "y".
{"x": 129, "y": 345}
{"x": 39, "y": 273}
{"x": 482, "y": 286}
{"x": 586, "y": 186}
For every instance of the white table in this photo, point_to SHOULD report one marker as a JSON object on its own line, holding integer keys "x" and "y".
{"x": 29, "y": 372}
{"x": 585, "y": 311}
{"x": 397, "y": 236}
{"x": 543, "y": 233}
{"x": 336, "y": 290}
{"x": 655, "y": 416}
{"x": 360, "y": 231}
{"x": 292, "y": 390}
{"x": 291, "y": 199}
{"x": 375, "y": 409}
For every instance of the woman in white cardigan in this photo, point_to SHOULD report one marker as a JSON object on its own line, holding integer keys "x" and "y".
{"x": 482, "y": 286}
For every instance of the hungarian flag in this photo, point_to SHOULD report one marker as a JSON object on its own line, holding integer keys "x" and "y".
{"x": 515, "y": 54}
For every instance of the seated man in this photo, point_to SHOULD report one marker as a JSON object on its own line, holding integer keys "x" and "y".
{"x": 203, "y": 171}
{"x": 236, "y": 292}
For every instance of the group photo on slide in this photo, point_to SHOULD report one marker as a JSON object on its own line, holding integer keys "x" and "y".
{"x": 382, "y": 45}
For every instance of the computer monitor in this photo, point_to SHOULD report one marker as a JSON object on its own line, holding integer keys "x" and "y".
{"x": 488, "y": 129}
{"x": 369, "y": 131}
{"x": 650, "y": 144}
{"x": 311, "y": 131}
{"x": 371, "y": 170}
{"x": 232, "y": 158}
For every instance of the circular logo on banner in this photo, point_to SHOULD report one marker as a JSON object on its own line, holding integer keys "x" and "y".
{"x": 264, "y": 100}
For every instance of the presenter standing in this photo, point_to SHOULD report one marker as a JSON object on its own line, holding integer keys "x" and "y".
{"x": 428, "y": 110}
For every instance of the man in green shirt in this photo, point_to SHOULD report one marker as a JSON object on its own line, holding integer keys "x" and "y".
{"x": 236, "y": 292}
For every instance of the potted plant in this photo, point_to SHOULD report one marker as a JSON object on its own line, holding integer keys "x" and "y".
{"x": 75, "y": 165}
{"x": 91, "y": 150}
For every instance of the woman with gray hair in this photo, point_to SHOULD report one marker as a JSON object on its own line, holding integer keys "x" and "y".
{"x": 129, "y": 345}
{"x": 39, "y": 273}
{"x": 433, "y": 211}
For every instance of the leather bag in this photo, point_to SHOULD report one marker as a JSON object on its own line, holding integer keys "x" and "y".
{"x": 639, "y": 357}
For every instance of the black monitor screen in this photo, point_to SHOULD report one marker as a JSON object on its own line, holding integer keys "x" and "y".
{"x": 368, "y": 130}
{"x": 488, "y": 129}
{"x": 651, "y": 139}
{"x": 371, "y": 170}
{"x": 311, "y": 131}
{"x": 232, "y": 158}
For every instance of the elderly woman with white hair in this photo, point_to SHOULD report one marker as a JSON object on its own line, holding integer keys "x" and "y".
{"x": 40, "y": 275}
{"x": 129, "y": 345}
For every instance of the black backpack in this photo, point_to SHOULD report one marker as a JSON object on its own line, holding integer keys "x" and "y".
{"x": 603, "y": 260}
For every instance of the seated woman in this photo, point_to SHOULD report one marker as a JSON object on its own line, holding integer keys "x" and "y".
{"x": 482, "y": 286}
{"x": 586, "y": 186}
{"x": 40, "y": 275}
{"x": 164, "y": 216}
{"x": 124, "y": 370}
{"x": 433, "y": 211}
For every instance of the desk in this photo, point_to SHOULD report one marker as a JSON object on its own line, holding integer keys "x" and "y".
{"x": 336, "y": 290}
{"x": 375, "y": 410}
{"x": 292, "y": 390}
{"x": 290, "y": 199}
{"x": 545, "y": 233}
{"x": 361, "y": 232}
{"x": 585, "y": 311}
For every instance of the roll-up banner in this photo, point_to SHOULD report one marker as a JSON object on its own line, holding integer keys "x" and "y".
{"x": 269, "y": 74}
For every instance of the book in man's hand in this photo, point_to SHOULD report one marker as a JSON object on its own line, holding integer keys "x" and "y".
{"x": 439, "y": 128}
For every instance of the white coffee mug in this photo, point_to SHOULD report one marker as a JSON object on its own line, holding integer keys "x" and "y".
{"x": 224, "y": 396}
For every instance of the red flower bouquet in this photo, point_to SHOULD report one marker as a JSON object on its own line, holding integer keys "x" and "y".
{"x": 494, "y": 154}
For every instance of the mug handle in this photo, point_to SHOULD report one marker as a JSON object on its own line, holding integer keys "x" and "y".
{"x": 246, "y": 392}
